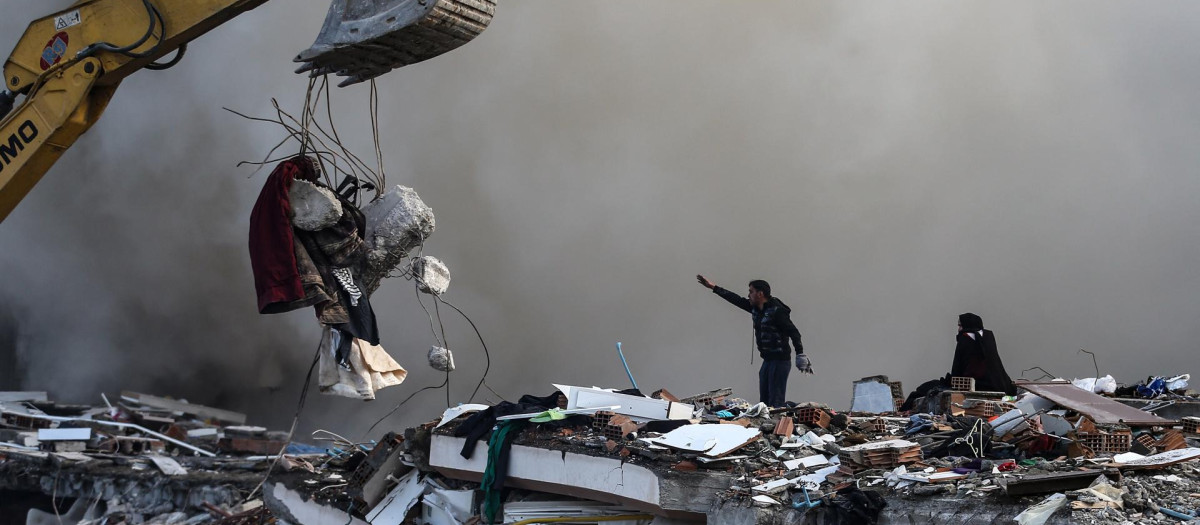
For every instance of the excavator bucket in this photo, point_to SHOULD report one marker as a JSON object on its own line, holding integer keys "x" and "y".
{"x": 362, "y": 39}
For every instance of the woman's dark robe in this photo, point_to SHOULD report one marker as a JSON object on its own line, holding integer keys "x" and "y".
{"x": 979, "y": 359}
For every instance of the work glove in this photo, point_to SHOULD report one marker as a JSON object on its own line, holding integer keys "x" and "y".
{"x": 803, "y": 365}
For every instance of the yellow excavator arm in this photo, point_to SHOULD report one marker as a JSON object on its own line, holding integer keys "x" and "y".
{"x": 68, "y": 65}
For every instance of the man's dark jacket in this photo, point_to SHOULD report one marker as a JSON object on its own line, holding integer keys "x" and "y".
{"x": 772, "y": 325}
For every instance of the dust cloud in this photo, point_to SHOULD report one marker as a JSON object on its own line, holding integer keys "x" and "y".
{"x": 885, "y": 166}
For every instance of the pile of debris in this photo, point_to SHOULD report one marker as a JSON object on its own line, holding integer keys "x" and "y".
{"x": 146, "y": 459}
{"x": 1055, "y": 454}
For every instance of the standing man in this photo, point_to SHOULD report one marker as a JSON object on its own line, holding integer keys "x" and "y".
{"x": 772, "y": 328}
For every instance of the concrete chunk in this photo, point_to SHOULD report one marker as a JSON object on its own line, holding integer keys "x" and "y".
{"x": 396, "y": 223}
{"x": 431, "y": 274}
{"x": 313, "y": 207}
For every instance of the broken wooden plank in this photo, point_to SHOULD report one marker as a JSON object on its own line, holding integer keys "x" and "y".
{"x": 199, "y": 411}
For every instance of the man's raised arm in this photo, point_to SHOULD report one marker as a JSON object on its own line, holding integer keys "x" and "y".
{"x": 734, "y": 299}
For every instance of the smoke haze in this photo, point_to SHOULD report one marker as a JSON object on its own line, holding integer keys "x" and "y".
{"x": 885, "y": 166}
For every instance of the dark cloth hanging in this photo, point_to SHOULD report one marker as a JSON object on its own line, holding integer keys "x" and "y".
{"x": 976, "y": 356}
{"x": 277, "y": 281}
{"x": 340, "y": 246}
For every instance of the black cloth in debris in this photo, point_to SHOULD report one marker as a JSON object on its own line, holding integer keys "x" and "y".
{"x": 852, "y": 505}
{"x": 976, "y": 356}
{"x": 927, "y": 388}
{"x": 662, "y": 426}
{"x": 773, "y": 325}
{"x": 480, "y": 424}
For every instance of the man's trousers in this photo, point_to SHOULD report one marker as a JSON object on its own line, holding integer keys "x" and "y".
{"x": 772, "y": 381}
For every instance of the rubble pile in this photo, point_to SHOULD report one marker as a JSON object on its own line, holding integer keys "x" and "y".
{"x": 1048, "y": 455}
{"x": 144, "y": 460}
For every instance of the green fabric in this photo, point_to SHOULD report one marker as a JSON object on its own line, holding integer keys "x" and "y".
{"x": 491, "y": 494}
{"x": 554, "y": 414}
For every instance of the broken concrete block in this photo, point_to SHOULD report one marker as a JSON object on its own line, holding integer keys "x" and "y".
{"x": 785, "y": 427}
{"x": 431, "y": 274}
{"x": 962, "y": 384}
{"x": 441, "y": 359}
{"x": 313, "y": 207}
{"x": 368, "y": 483}
{"x": 293, "y": 507}
{"x": 396, "y": 223}
{"x": 812, "y": 416}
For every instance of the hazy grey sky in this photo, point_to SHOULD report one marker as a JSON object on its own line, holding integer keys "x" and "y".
{"x": 886, "y": 166}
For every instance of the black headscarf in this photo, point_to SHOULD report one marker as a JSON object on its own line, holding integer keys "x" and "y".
{"x": 970, "y": 322}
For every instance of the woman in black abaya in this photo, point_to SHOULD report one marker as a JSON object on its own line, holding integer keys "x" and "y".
{"x": 976, "y": 356}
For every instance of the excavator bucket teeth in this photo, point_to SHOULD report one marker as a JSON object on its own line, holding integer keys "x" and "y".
{"x": 362, "y": 39}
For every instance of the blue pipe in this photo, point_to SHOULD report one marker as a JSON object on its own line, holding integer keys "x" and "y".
{"x": 1176, "y": 514}
{"x": 808, "y": 503}
{"x": 622, "y": 354}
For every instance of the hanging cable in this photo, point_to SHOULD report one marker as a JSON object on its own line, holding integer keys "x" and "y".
{"x": 407, "y": 399}
{"x": 292, "y": 430}
{"x": 487, "y": 355}
{"x": 438, "y": 312}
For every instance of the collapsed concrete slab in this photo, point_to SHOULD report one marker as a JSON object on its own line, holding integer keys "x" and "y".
{"x": 668, "y": 493}
{"x": 293, "y": 507}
